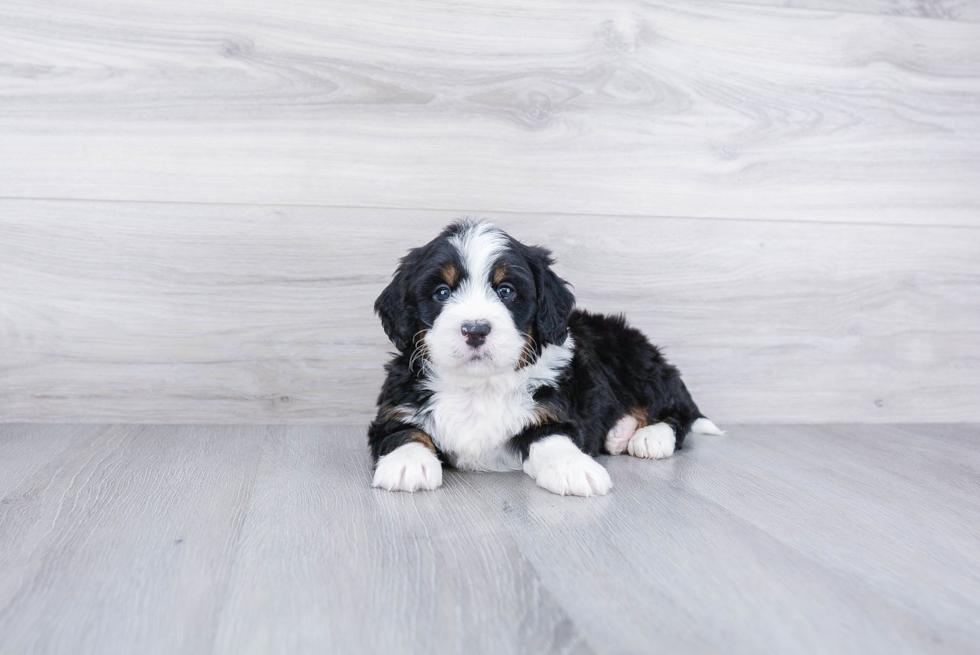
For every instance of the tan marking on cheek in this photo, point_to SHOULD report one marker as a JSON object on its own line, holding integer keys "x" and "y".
{"x": 545, "y": 413}
{"x": 500, "y": 274}
{"x": 640, "y": 414}
{"x": 417, "y": 436}
{"x": 449, "y": 274}
{"x": 390, "y": 413}
{"x": 527, "y": 350}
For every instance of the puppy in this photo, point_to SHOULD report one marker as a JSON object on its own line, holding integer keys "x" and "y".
{"x": 496, "y": 371}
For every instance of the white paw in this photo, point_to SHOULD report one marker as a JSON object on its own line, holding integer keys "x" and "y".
{"x": 558, "y": 465}
{"x": 620, "y": 434}
{"x": 652, "y": 442}
{"x": 411, "y": 467}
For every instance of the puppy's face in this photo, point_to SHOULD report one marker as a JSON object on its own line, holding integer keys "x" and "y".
{"x": 475, "y": 302}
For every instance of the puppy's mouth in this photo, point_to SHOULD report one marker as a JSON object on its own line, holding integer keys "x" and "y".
{"x": 477, "y": 357}
{"x": 478, "y": 364}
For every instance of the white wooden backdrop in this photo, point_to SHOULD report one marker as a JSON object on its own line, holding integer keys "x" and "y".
{"x": 200, "y": 202}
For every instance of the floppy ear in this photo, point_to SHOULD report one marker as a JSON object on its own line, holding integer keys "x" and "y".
{"x": 397, "y": 317}
{"x": 555, "y": 301}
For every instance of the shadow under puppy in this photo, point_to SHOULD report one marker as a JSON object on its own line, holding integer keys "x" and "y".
{"x": 496, "y": 371}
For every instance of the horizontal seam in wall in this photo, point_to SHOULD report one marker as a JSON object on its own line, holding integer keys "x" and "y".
{"x": 488, "y": 213}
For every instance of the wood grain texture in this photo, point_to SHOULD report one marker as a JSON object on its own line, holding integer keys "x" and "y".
{"x": 746, "y": 589}
{"x": 208, "y": 539}
{"x": 964, "y": 10}
{"x": 799, "y": 485}
{"x": 189, "y": 313}
{"x": 328, "y": 564}
{"x": 120, "y": 542}
{"x": 633, "y": 108}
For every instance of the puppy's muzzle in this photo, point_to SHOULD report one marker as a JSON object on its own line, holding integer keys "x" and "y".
{"x": 475, "y": 333}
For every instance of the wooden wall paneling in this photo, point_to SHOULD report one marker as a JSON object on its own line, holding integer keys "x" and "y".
{"x": 227, "y": 313}
{"x": 963, "y": 10}
{"x": 664, "y": 108}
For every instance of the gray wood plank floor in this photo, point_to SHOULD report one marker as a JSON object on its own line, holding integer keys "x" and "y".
{"x": 204, "y": 539}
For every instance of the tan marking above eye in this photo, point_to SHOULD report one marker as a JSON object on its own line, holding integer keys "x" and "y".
{"x": 500, "y": 274}
{"x": 449, "y": 274}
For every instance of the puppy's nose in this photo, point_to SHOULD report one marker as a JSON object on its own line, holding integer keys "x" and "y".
{"x": 475, "y": 333}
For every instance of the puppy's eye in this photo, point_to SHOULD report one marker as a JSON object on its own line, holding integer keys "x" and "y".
{"x": 442, "y": 293}
{"x": 506, "y": 291}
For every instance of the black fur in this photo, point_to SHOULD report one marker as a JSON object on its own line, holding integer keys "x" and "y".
{"x": 554, "y": 300}
{"x": 614, "y": 370}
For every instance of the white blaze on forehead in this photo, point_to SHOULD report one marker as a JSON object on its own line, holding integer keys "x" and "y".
{"x": 479, "y": 245}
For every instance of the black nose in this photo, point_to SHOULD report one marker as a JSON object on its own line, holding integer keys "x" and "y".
{"x": 475, "y": 333}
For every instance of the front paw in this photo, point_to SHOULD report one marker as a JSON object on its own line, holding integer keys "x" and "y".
{"x": 411, "y": 467}
{"x": 557, "y": 464}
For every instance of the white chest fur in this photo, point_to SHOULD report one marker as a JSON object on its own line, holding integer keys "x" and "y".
{"x": 471, "y": 421}
{"x": 472, "y": 425}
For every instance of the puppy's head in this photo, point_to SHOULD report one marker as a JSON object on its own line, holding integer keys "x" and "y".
{"x": 475, "y": 302}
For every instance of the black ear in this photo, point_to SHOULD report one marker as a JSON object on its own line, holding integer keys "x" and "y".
{"x": 397, "y": 315}
{"x": 555, "y": 301}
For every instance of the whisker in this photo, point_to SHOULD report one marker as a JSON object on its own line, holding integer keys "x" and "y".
{"x": 527, "y": 352}
{"x": 420, "y": 353}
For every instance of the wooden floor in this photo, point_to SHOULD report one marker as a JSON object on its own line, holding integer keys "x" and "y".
{"x": 200, "y": 539}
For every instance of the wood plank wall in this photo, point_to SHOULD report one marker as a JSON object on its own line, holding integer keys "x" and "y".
{"x": 199, "y": 203}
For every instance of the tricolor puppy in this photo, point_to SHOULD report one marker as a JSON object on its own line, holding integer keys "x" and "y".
{"x": 495, "y": 371}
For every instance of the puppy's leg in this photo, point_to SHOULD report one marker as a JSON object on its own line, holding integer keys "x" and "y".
{"x": 411, "y": 466}
{"x": 557, "y": 464}
{"x": 655, "y": 441}
{"x": 620, "y": 434}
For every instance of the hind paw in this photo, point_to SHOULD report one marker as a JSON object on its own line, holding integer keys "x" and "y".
{"x": 655, "y": 441}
